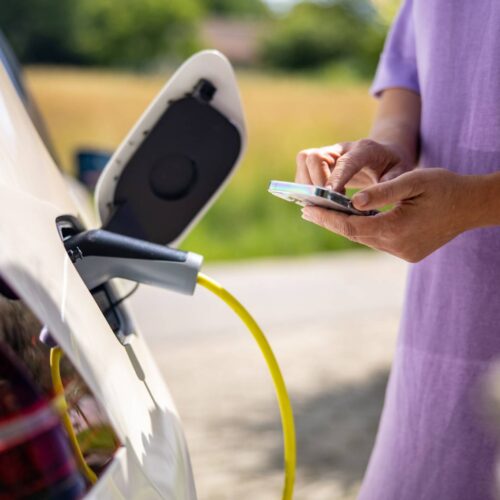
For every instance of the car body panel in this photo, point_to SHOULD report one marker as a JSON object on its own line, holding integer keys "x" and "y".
{"x": 154, "y": 460}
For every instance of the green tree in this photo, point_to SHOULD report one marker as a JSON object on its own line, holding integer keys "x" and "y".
{"x": 236, "y": 8}
{"x": 40, "y": 30}
{"x": 314, "y": 34}
{"x": 100, "y": 32}
{"x": 132, "y": 32}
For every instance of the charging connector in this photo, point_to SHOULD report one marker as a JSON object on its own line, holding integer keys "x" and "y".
{"x": 101, "y": 255}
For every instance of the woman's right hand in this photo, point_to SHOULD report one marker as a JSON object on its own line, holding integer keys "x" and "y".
{"x": 356, "y": 164}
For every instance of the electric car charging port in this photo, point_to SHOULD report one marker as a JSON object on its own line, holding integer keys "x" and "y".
{"x": 105, "y": 295}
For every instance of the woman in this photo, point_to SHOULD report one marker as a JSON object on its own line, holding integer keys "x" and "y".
{"x": 439, "y": 87}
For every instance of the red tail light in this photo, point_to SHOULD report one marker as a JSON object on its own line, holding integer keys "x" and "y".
{"x": 35, "y": 457}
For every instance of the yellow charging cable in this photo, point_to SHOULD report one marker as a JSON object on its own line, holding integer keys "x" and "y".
{"x": 55, "y": 362}
{"x": 285, "y": 406}
{"x": 279, "y": 384}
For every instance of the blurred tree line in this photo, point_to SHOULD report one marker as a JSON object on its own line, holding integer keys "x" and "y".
{"x": 314, "y": 34}
{"x": 136, "y": 33}
{"x": 99, "y": 32}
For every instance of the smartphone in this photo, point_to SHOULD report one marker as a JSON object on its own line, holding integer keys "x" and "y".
{"x": 305, "y": 194}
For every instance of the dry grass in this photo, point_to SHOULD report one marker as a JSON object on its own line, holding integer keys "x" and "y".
{"x": 284, "y": 114}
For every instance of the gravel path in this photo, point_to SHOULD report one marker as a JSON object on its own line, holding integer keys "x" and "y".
{"x": 332, "y": 322}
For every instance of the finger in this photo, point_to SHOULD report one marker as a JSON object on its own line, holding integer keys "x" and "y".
{"x": 347, "y": 166}
{"x": 393, "y": 173}
{"x": 361, "y": 180}
{"x": 352, "y": 227}
{"x": 404, "y": 187}
{"x": 329, "y": 219}
{"x": 302, "y": 174}
{"x": 337, "y": 150}
{"x": 318, "y": 168}
{"x": 369, "y": 231}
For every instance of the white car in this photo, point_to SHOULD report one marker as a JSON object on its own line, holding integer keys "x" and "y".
{"x": 155, "y": 187}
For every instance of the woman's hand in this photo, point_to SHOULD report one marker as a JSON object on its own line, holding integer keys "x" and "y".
{"x": 431, "y": 207}
{"x": 391, "y": 151}
{"x": 353, "y": 164}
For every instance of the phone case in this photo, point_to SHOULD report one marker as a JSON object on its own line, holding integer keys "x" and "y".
{"x": 305, "y": 194}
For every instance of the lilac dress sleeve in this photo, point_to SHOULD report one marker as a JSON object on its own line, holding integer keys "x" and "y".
{"x": 398, "y": 62}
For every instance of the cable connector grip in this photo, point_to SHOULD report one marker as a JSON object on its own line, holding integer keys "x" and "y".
{"x": 101, "y": 255}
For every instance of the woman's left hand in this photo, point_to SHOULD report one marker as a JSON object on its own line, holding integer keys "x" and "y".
{"x": 431, "y": 207}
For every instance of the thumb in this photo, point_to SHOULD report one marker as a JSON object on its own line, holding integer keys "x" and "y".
{"x": 385, "y": 193}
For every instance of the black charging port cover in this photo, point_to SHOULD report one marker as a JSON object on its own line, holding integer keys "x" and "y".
{"x": 181, "y": 163}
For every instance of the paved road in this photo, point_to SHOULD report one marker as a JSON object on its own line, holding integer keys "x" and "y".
{"x": 332, "y": 321}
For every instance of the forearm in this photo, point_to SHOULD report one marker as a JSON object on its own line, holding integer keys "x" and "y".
{"x": 397, "y": 122}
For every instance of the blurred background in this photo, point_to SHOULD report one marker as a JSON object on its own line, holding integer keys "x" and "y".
{"x": 304, "y": 71}
{"x": 303, "y": 68}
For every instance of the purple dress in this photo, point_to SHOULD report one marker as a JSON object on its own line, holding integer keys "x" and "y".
{"x": 432, "y": 444}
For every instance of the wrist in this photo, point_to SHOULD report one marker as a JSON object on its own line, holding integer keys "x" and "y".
{"x": 480, "y": 200}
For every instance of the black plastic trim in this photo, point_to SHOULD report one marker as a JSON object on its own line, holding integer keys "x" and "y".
{"x": 175, "y": 171}
{"x": 7, "y": 291}
{"x": 101, "y": 243}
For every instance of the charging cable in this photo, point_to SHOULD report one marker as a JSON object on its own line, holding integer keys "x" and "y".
{"x": 55, "y": 372}
{"x": 285, "y": 406}
{"x": 287, "y": 422}
{"x": 100, "y": 255}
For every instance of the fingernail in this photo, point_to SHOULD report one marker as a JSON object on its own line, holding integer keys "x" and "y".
{"x": 360, "y": 199}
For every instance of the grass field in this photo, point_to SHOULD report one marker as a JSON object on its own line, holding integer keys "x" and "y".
{"x": 284, "y": 114}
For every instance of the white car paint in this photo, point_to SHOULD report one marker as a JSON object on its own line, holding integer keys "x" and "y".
{"x": 154, "y": 461}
